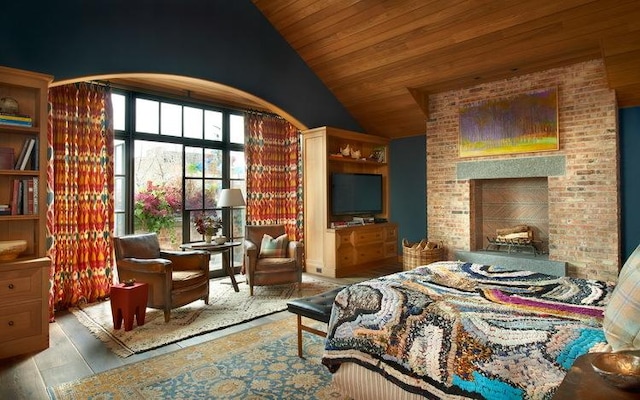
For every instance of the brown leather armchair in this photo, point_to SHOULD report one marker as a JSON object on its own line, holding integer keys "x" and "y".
{"x": 175, "y": 278}
{"x": 263, "y": 271}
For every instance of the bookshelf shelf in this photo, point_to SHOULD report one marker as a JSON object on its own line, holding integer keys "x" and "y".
{"x": 18, "y": 172}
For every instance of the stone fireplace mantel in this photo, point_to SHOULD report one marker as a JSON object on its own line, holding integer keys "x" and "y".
{"x": 528, "y": 167}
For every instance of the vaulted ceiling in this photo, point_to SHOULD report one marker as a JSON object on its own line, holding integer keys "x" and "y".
{"x": 382, "y": 59}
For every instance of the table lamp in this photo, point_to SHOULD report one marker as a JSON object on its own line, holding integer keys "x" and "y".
{"x": 231, "y": 198}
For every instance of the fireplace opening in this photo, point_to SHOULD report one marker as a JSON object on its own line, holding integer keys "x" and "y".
{"x": 514, "y": 239}
{"x": 511, "y": 215}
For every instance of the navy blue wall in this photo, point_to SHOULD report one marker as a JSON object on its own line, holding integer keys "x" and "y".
{"x": 629, "y": 173}
{"x": 228, "y": 42}
{"x": 408, "y": 171}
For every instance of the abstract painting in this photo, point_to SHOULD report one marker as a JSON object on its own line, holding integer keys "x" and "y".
{"x": 520, "y": 124}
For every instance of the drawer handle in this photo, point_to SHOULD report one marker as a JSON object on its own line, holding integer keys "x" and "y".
{"x": 11, "y": 286}
{"x": 10, "y": 323}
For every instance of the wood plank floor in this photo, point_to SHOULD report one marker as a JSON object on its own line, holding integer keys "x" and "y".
{"x": 75, "y": 353}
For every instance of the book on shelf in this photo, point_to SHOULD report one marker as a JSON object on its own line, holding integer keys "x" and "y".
{"x": 27, "y": 196}
{"x": 16, "y": 123}
{"x": 19, "y": 117}
{"x": 15, "y": 197}
{"x": 35, "y": 194}
{"x": 7, "y": 157}
{"x": 35, "y": 156}
{"x": 25, "y": 153}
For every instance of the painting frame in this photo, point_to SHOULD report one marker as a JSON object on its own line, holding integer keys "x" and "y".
{"x": 524, "y": 123}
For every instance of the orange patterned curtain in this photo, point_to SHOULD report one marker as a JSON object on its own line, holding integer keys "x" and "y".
{"x": 80, "y": 209}
{"x": 274, "y": 190}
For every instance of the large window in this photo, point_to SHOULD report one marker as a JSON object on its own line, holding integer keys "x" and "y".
{"x": 172, "y": 159}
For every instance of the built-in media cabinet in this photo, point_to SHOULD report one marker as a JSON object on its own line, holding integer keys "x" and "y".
{"x": 24, "y": 281}
{"x": 335, "y": 244}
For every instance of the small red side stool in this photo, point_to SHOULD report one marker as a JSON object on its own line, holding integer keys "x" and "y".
{"x": 127, "y": 301}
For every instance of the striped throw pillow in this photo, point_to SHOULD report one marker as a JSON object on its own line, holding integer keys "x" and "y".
{"x": 621, "y": 323}
{"x": 270, "y": 247}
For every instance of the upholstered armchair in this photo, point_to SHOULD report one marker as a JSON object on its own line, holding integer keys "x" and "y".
{"x": 270, "y": 258}
{"x": 175, "y": 278}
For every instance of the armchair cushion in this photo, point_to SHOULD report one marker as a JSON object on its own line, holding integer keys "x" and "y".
{"x": 182, "y": 279}
{"x": 276, "y": 264}
{"x": 274, "y": 248}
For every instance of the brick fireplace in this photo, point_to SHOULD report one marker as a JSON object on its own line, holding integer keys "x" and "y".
{"x": 582, "y": 178}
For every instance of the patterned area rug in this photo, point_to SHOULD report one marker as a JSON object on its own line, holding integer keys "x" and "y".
{"x": 226, "y": 308}
{"x": 257, "y": 363}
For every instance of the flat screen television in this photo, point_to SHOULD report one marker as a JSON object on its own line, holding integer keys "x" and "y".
{"x": 356, "y": 194}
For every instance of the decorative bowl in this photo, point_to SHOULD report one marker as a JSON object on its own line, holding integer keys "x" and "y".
{"x": 11, "y": 249}
{"x": 621, "y": 369}
{"x": 219, "y": 239}
{"x": 8, "y": 105}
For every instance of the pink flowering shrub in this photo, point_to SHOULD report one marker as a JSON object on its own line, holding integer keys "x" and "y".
{"x": 156, "y": 207}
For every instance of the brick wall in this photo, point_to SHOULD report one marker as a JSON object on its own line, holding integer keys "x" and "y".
{"x": 584, "y": 209}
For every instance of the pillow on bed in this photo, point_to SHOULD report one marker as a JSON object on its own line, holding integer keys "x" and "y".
{"x": 621, "y": 322}
{"x": 270, "y": 247}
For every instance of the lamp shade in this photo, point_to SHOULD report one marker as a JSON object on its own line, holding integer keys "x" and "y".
{"x": 231, "y": 198}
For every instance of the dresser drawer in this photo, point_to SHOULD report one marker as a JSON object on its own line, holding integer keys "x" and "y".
{"x": 20, "y": 322}
{"x": 20, "y": 285}
{"x": 369, "y": 253}
{"x": 345, "y": 256}
{"x": 390, "y": 234}
{"x": 344, "y": 238}
{"x": 390, "y": 249}
{"x": 368, "y": 236}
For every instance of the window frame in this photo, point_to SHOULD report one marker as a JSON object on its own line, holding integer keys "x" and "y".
{"x": 129, "y": 136}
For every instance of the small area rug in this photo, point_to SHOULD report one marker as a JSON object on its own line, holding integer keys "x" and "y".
{"x": 257, "y": 363}
{"x": 225, "y": 308}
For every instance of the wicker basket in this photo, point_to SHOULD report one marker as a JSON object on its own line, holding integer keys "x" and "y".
{"x": 423, "y": 253}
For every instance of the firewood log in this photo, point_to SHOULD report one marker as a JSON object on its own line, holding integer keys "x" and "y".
{"x": 513, "y": 229}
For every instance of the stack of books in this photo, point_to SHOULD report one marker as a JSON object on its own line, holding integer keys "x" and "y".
{"x": 24, "y": 198}
{"x": 5, "y": 209}
{"x": 16, "y": 119}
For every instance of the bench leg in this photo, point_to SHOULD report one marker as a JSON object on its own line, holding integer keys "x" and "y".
{"x": 299, "y": 336}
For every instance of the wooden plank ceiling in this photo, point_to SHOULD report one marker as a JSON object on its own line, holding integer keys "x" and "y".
{"x": 382, "y": 59}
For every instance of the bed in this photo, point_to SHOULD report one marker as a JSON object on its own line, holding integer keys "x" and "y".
{"x": 458, "y": 330}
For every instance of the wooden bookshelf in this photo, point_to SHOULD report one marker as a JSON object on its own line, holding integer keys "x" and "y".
{"x": 24, "y": 281}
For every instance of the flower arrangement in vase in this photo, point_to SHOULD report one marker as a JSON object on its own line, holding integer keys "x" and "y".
{"x": 207, "y": 225}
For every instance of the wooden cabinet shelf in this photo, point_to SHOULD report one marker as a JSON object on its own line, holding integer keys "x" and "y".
{"x": 24, "y": 282}
{"x": 25, "y": 130}
{"x": 18, "y": 172}
{"x": 343, "y": 251}
{"x": 342, "y": 159}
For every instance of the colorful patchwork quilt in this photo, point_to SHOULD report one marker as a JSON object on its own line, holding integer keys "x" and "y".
{"x": 461, "y": 330}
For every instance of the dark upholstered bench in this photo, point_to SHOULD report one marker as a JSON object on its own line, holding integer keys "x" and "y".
{"x": 317, "y": 308}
